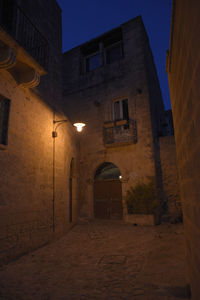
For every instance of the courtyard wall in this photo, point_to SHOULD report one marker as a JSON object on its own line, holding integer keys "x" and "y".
{"x": 183, "y": 67}
{"x": 170, "y": 178}
{"x": 35, "y": 201}
{"x": 89, "y": 97}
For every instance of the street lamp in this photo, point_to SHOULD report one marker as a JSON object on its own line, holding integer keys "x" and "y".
{"x": 79, "y": 126}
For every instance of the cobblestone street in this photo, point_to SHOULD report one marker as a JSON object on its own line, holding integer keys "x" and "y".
{"x": 102, "y": 260}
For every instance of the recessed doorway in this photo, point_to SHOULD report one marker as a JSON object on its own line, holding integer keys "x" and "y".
{"x": 108, "y": 192}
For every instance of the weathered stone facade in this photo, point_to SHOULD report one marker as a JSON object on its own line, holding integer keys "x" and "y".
{"x": 183, "y": 66}
{"x": 35, "y": 168}
{"x": 90, "y": 96}
{"x": 170, "y": 179}
{"x": 111, "y": 84}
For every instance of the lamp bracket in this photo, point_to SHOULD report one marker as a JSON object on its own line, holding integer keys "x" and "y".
{"x": 54, "y": 134}
{"x": 59, "y": 121}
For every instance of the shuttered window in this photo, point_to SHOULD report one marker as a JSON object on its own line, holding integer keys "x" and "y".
{"x": 121, "y": 110}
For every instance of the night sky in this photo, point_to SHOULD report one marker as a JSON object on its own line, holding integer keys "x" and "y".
{"x": 86, "y": 19}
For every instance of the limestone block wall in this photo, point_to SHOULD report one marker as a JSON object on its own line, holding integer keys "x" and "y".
{"x": 157, "y": 116}
{"x": 170, "y": 176}
{"x": 26, "y": 174}
{"x": 183, "y": 67}
{"x": 89, "y": 98}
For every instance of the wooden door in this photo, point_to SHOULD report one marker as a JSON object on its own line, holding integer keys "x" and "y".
{"x": 108, "y": 199}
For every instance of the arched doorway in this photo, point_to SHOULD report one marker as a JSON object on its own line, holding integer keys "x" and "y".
{"x": 108, "y": 192}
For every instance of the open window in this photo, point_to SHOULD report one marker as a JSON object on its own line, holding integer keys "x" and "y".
{"x": 120, "y": 110}
{"x": 4, "y": 118}
{"x": 106, "y": 49}
{"x": 93, "y": 62}
{"x": 114, "y": 53}
{"x": 121, "y": 113}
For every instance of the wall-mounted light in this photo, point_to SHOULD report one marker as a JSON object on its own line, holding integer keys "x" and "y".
{"x": 79, "y": 126}
{"x": 59, "y": 122}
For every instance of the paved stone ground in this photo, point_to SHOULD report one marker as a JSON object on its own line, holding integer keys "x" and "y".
{"x": 102, "y": 260}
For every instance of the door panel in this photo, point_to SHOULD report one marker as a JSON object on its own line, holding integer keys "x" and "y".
{"x": 108, "y": 199}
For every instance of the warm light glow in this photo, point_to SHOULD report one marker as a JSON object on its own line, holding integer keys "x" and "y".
{"x": 79, "y": 126}
{"x": 120, "y": 176}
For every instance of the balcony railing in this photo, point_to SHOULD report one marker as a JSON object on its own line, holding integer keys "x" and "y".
{"x": 120, "y": 133}
{"x": 19, "y": 26}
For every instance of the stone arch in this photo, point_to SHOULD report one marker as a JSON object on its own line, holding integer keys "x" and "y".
{"x": 107, "y": 170}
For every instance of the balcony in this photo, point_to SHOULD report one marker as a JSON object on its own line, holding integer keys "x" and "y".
{"x": 120, "y": 133}
{"x": 23, "y": 49}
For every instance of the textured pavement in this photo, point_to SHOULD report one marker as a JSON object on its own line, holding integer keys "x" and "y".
{"x": 102, "y": 260}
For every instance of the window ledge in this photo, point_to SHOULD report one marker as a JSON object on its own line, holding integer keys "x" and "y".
{"x": 109, "y": 124}
{"x": 121, "y": 122}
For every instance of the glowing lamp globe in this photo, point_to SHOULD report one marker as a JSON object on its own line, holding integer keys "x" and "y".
{"x": 79, "y": 126}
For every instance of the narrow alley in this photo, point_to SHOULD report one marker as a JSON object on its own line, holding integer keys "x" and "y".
{"x": 102, "y": 260}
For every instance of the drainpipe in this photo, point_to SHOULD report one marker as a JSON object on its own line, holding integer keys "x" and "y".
{"x": 54, "y": 135}
{"x": 53, "y": 177}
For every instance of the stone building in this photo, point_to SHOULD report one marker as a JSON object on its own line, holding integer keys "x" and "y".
{"x": 111, "y": 84}
{"x": 38, "y": 182}
{"x": 50, "y": 175}
{"x": 183, "y": 67}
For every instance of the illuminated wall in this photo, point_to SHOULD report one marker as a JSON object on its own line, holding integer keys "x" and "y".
{"x": 34, "y": 199}
{"x": 183, "y": 66}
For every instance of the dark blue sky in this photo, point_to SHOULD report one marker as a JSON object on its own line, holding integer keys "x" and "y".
{"x": 86, "y": 19}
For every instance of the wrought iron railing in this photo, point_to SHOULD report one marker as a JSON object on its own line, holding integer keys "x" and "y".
{"x": 19, "y": 26}
{"x": 120, "y": 134}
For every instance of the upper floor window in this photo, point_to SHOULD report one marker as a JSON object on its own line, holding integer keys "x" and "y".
{"x": 4, "y": 117}
{"x": 103, "y": 50}
{"x": 120, "y": 111}
{"x": 114, "y": 53}
{"x": 93, "y": 62}
{"x": 7, "y": 14}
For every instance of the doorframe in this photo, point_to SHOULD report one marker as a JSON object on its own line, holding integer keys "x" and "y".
{"x": 71, "y": 191}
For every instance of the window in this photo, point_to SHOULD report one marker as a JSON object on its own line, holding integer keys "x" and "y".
{"x": 7, "y": 14}
{"x": 114, "y": 53}
{"x": 103, "y": 50}
{"x": 4, "y": 117}
{"x": 121, "y": 110}
{"x": 93, "y": 62}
